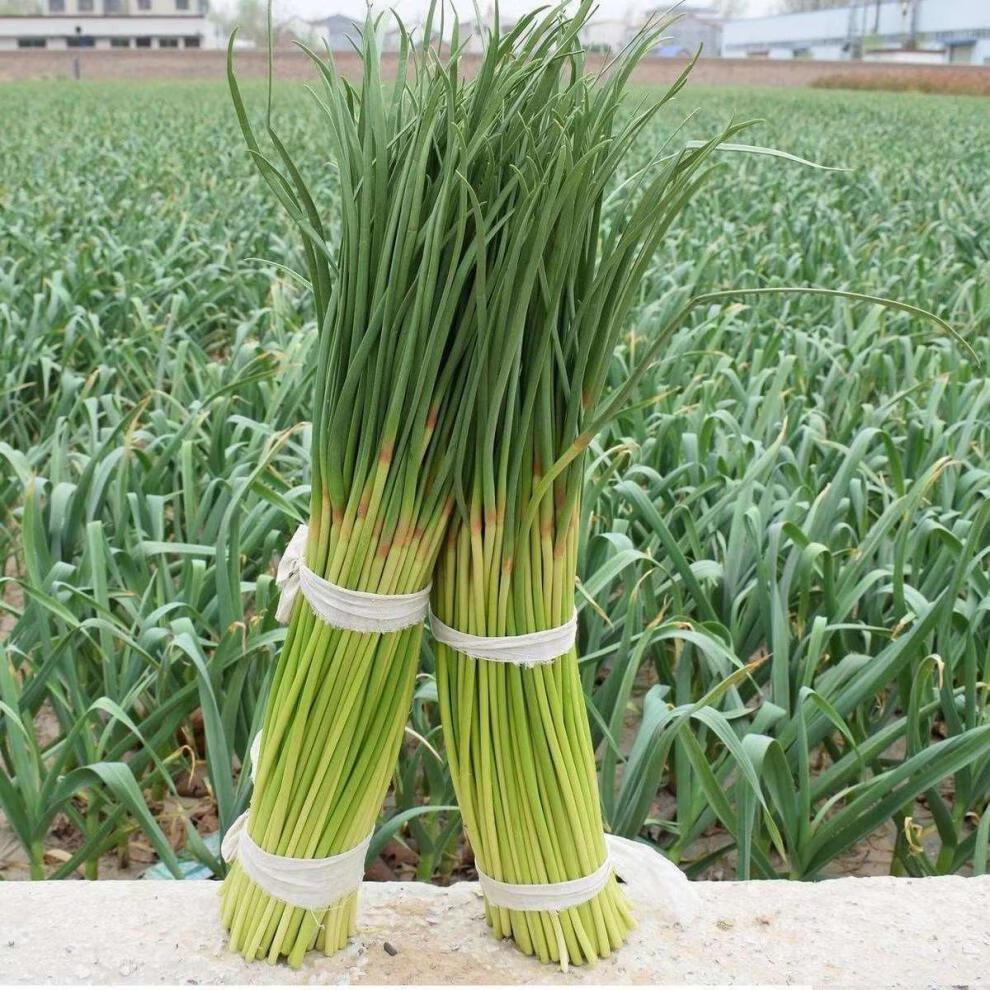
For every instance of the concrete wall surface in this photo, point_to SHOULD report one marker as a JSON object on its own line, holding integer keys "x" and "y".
{"x": 293, "y": 64}
{"x": 873, "y": 932}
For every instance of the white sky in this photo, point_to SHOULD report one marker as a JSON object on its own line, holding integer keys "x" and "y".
{"x": 511, "y": 8}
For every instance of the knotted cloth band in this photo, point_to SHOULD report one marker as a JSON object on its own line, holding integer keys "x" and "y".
{"x": 545, "y": 896}
{"x": 359, "y": 611}
{"x": 305, "y": 883}
{"x": 649, "y": 877}
{"x": 525, "y": 650}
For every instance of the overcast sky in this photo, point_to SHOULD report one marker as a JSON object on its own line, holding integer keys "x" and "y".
{"x": 511, "y": 8}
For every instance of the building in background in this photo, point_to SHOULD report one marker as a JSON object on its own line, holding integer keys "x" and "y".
{"x": 606, "y": 34}
{"x": 342, "y": 33}
{"x": 141, "y": 24}
{"x": 338, "y": 31}
{"x": 699, "y": 26}
{"x": 933, "y": 31}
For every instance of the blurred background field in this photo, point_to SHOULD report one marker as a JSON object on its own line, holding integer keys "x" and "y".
{"x": 784, "y": 584}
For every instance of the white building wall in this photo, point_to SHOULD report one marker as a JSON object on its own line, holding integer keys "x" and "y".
{"x": 57, "y": 30}
{"x": 819, "y": 25}
{"x": 131, "y": 8}
{"x": 897, "y": 57}
{"x": 609, "y": 33}
{"x": 830, "y": 29}
{"x": 934, "y": 16}
{"x": 827, "y": 53}
{"x": 952, "y": 15}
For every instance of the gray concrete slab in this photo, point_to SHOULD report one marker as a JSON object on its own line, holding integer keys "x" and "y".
{"x": 873, "y": 932}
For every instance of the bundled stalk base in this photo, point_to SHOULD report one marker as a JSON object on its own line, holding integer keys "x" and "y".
{"x": 561, "y": 267}
{"x": 521, "y": 755}
{"x": 330, "y": 739}
{"x": 389, "y": 389}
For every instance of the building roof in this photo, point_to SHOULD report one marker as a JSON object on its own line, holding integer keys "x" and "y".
{"x": 336, "y": 20}
{"x": 887, "y": 19}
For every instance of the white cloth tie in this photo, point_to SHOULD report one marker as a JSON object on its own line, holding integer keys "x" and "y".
{"x": 649, "y": 877}
{"x": 305, "y": 883}
{"x": 525, "y": 650}
{"x": 359, "y": 611}
{"x": 544, "y": 896}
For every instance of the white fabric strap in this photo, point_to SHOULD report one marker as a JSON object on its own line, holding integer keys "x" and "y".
{"x": 359, "y": 611}
{"x": 305, "y": 883}
{"x": 544, "y": 896}
{"x": 649, "y": 877}
{"x": 526, "y": 650}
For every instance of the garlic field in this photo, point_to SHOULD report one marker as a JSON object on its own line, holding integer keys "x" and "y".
{"x": 784, "y": 595}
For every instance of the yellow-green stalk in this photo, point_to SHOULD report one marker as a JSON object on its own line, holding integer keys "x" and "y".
{"x": 561, "y": 278}
{"x": 389, "y": 297}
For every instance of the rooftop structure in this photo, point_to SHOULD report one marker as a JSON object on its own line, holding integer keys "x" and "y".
{"x": 900, "y": 30}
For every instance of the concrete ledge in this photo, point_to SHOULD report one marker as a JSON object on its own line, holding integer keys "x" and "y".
{"x": 871, "y": 932}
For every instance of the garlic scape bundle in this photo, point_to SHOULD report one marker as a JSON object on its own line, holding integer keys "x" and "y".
{"x": 434, "y": 174}
{"x": 559, "y": 281}
{"x": 390, "y": 298}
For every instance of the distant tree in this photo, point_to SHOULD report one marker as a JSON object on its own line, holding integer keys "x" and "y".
{"x": 14, "y": 8}
{"x": 250, "y": 17}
